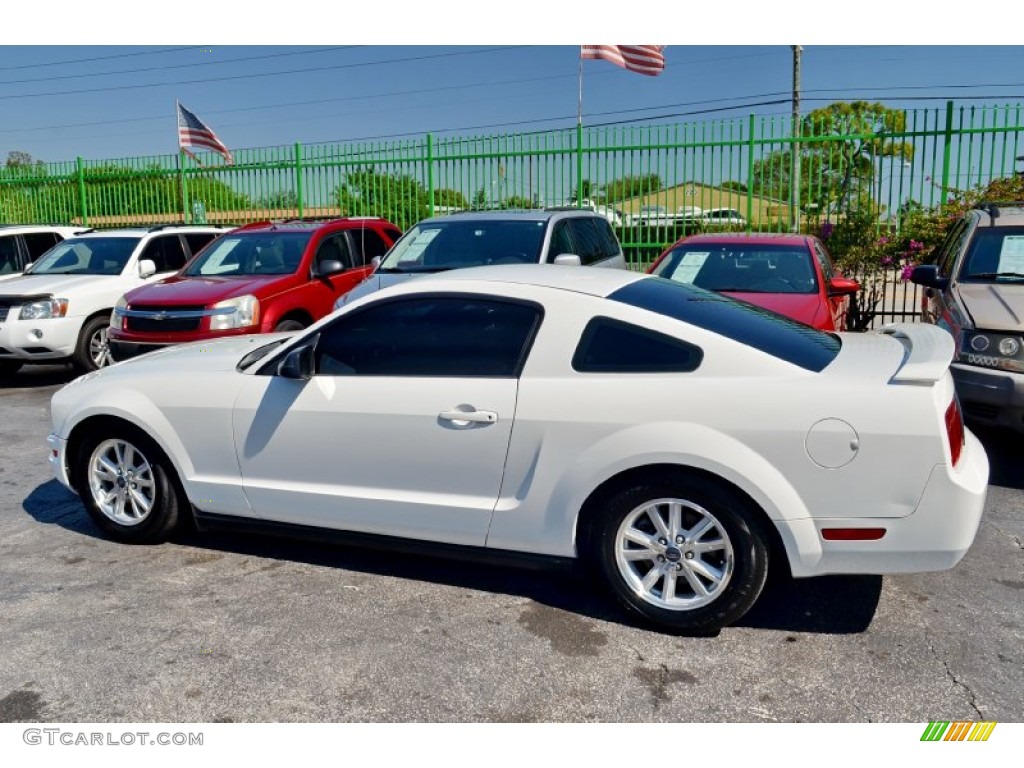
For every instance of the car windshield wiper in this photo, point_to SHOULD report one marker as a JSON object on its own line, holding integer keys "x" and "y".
{"x": 409, "y": 270}
{"x": 991, "y": 275}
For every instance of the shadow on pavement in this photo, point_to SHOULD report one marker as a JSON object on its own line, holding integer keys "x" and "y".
{"x": 828, "y": 605}
{"x": 32, "y": 376}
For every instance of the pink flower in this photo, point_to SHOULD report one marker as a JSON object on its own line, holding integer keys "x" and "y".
{"x": 905, "y": 274}
{"x": 826, "y": 230}
{"x": 886, "y": 261}
{"x": 883, "y": 240}
{"x": 916, "y": 246}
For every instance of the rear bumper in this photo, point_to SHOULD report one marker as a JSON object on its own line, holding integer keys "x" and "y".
{"x": 933, "y": 538}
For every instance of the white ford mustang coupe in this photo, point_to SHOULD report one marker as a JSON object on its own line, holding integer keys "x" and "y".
{"x": 677, "y": 440}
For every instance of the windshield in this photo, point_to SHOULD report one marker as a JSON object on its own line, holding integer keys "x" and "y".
{"x": 251, "y": 253}
{"x": 741, "y": 267}
{"x": 88, "y": 256}
{"x": 996, "y": 255}
{"x": 439, "y": 245}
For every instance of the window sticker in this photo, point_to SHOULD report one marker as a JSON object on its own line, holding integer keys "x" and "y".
{"x": 414, "y": 251}
{"x": 1011, "y": 257}
{"x": 688, "y": 267}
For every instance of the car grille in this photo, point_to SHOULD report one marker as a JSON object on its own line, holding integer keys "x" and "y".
{"x": 164, "y": 320}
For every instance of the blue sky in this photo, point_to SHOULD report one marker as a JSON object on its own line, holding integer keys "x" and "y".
{"x": 113, "y": 100}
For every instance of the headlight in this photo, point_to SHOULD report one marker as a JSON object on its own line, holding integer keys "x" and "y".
{"x": 44, "y": 310}
{"x": 117, "y": 315}
{"x": 993, "y": 350}
{"x": 244, "y": 312}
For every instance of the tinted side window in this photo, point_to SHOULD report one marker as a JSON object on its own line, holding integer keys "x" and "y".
{"x": 561, "y": 241}
{"x": 335, "y": 248}
{"x": 826, "y": 263}
{"x": 612, "y": 346}
{"x": 198, "y": 240}
{"x": 39, "y": 243}
{"x": 367, "y": 245}
{"x": 946, "y": 256}
{"x": 166, "y": 252}
{"x": 9, "y": 260}
{"x": 609, "y": 243}
{"x": 588, "y": 243}
{"x": 434, "y": 336}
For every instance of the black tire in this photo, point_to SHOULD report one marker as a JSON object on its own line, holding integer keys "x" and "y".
{"x": 85, "y": 358}
{"x": 8, "y": 368}
{"x": 289, "y": 325}
{"x": 159, "y": 483}
{"x": 743, "y": 563}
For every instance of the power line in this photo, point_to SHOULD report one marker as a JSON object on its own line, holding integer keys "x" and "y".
{"x": 260, "y": 74}
{"x": 177, "y": 66}
{"x": 102, "y": 58}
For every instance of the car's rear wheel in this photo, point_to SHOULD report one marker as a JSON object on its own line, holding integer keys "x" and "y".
{"x": 128, "y": 485}
{"x": 8, "y": 368}
{"x": 93, "y": 349}
{"x": 688, "y": 554}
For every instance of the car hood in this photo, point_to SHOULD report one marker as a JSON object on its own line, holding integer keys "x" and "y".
{"x": 204, "y": 291}
{"x": 803, "y": 307}
{"x": 58, "y": 285}
{"x": 994, "y": 307}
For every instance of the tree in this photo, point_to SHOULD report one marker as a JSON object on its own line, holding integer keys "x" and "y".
{"x": 284, "y": 199}
{"x": 839, "y": 164}
{"x": 631, "y": 186}
{"x": 450, "y": 198}
{"x": 735, "y": 186}
{"x": 400, "y": 199}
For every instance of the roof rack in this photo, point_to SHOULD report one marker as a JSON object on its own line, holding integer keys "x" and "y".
{"x": 170, "y": 225}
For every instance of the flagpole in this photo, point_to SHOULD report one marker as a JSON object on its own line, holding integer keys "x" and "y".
{"x": 579, "y": 138}
{"x": 181, "y": 165}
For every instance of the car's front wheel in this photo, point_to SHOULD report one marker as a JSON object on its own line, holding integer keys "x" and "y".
{"x": 128, "y": 485}
{"x": 93, "y": 349}
{"x": 688, "y": 554}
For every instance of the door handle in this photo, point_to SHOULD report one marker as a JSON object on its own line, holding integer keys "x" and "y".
{"x": 462, "y": 418}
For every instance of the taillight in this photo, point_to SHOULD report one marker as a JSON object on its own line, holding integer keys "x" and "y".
{"x": 955, "y": 430}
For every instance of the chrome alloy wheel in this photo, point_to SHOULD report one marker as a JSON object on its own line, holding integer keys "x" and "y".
{"x": 674, "y": 554}
{"x": 121, "y": 482}
{"x": 99, "y": 349}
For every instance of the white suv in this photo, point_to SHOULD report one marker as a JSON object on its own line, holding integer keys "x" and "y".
{"x": 59, "y": 309}
{"x": 21, "y": 244}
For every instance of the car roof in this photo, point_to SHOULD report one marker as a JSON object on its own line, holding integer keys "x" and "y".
{"x": 311, "y": 225}
{"x": 1007, "y": 214}
{"x": 524, "y": 214}
{"x": 590, "y": 281}
{"x": 14, "y": 229}
{"x": 143, "y": 231}
{"x": 763, "y": 238}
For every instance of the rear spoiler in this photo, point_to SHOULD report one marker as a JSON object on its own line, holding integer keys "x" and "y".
{"x": 928, "y": 351}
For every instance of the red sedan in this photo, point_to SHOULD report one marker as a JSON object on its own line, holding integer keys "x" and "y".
{"x": 792, "y": 275}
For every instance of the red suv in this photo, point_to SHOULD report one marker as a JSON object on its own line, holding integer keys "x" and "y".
{"x": 270, "y": 276}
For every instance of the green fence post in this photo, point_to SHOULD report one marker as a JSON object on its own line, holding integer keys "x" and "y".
{"x": 181, "y": 185}
{"x": 300, "y": 203}
{"x": 430, "y": 174}
{"x": 750, "y": 176}
{"x": 579, "y": 164}
{"x": 947, "y": 142}
{"x": 81, "y": 192}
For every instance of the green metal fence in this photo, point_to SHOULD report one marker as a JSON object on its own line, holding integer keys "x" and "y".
{"x": 652, "y": 181}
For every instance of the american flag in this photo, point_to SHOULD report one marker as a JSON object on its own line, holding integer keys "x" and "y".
{"x": 193, "y": 132}
{"x": 645, "y": 59}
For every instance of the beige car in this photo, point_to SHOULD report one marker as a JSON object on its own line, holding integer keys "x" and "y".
{"x": 975, "y": 290}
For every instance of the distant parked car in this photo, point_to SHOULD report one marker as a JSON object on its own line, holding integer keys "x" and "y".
{"x": 679, "y": 442}
{"x": 59, "y": 309}
{"x": 975, "y": 290}
{"x": 257, "y": 279}
{"x": 723, "y": 217}
{"x": 21, "y": 244}
{"x": 565, "y": 235}
{"x": 789, "y": 274}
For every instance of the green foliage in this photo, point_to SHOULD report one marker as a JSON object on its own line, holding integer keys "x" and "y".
{"x": 841, "y": 164}
{"x": 400, "y": 199}
{"x": 631, "y": 186}
{"x": 517, "y": 201}
{"x": 735, "y": 186}
{"x": 450, "y": 198}
{"x": 283, "y": 199}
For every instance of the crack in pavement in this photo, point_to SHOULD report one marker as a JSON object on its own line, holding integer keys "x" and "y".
{"x": 1013, "y": 537}
{"x": 971, "y": 698}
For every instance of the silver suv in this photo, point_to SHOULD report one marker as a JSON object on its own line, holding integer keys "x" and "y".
{"x": 571, "y": 236}
{"x": 975, "y": 290}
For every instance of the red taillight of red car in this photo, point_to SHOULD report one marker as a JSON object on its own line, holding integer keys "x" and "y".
{"x": 955, "y": 430}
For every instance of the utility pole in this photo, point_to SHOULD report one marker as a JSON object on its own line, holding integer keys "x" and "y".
{"x": 794, "y": 183}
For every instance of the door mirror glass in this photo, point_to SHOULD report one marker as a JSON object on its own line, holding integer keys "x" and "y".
{"x": 147, "y": 268}
{"x": 328, "y": 267}
{"x": 567, "y": 260}
{"x": 928, "y": 276}
{"x": 297, "y": 364}
{"x": 842, "y": 286}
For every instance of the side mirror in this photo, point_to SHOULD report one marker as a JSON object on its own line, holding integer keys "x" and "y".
{"x": 297, "y": 364}
{"x": 328, "y": 268}
{"x": 928, "y": 276}
{"x": 375, "y": 262}
{"x": 147, "y": 268}
{"x": 842, "y": 286}
{"x": 28, "y": 266}
{"x": 567, "y": 260}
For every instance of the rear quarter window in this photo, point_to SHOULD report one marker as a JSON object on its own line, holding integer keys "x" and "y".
{"x": 765, "y": 331}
